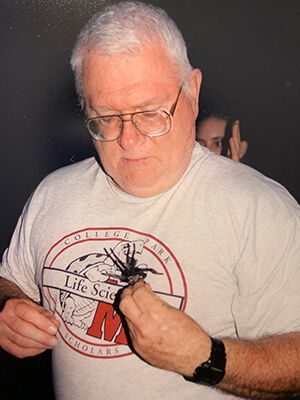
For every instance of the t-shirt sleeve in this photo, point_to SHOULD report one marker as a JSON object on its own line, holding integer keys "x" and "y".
{"x": 18, "y": 265}
{"x": 268, "y": 272}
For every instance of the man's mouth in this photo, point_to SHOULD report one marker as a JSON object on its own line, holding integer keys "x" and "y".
{"x": 136, "y": 161}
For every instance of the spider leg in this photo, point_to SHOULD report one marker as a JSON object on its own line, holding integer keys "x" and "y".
{"x": 124, "y": 267}
{"x": 132, "y": 261}
{"x": 117, "y": 262}
{"x": 128, "y": 258}
{"x": 152, "y": 271}
{"x": 112, "y": 275}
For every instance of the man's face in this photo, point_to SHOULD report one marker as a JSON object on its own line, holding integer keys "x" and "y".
{"x": 210, "y": 134}
{"x": 119, "y": 84}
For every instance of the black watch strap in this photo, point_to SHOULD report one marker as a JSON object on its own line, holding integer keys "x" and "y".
{"x": 212, "y": 371}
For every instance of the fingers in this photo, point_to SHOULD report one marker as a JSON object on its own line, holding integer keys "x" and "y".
{"x": 141, "y": 308}
{"x": 161, "y": 334}
{"x": 243, "y": 149}
{"x": 235, "y": 141}
{"x": 21, "y": 346}
{"x": 129, "y": 304}
{"x": 234, "y": 151}
{"x": 19, "y": 351}
{"x": 137, "y": 298}
{"x": 236, "y": 134}
{"x": 26, "y": 328}
{"x": 35, "y": 315}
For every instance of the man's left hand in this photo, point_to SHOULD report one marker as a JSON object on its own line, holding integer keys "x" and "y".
{"x": 162, "y": 335}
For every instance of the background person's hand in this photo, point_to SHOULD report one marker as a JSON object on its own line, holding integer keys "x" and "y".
{"x": 238, "y": 147}
{"x": 26, "y": 329}
{"x": 162, "y": 335}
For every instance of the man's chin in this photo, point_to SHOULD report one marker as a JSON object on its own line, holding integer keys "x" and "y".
{"x": 141, "y": 186}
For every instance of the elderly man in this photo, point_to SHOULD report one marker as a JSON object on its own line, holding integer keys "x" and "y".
{"x": 163, "y": 271}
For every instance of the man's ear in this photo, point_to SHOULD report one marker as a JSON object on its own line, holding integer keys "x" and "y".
{"x": 195, "y": 85}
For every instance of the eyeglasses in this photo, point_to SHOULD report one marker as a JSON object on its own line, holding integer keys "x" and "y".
{"x": 151, "y": 123}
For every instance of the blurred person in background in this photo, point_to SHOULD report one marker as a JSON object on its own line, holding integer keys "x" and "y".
{"x": 221, "y": 135}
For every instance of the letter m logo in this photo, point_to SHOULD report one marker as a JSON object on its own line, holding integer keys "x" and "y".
{"x": 106, "y": 324}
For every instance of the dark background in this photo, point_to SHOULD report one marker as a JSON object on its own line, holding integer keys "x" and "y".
{"x": 248, "y": 51}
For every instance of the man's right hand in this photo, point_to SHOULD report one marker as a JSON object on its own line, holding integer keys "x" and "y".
{"x": 26, "y": 329}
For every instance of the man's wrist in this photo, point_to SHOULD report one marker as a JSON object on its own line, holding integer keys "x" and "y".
{"x": 212, "y": 371}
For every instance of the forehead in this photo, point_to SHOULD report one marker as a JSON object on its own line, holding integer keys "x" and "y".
{"x": 211, "y": 128}
{"x": 148, "y": 73}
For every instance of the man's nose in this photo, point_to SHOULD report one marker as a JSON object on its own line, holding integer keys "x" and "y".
{"x": 130, "y": 135}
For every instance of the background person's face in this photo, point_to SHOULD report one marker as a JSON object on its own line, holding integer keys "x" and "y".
{"x": 210, "y": 134}
{"x": 118, "y": 84}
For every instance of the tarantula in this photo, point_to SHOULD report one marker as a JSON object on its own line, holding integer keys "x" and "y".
{"x": 130, "y": 273}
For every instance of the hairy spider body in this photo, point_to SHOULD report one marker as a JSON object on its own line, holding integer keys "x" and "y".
{"x": 130, "y": 273}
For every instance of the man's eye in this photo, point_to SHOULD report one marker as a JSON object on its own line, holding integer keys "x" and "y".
{"x": 150, "y": 116}
{"x": 107, "y": 120}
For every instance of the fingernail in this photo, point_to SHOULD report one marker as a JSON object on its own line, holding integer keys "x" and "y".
{"x": 52, "y": 330}
{"x": 52, "y": 342}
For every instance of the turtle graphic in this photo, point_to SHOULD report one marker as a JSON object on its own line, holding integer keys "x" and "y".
{"x": 99, "y": 267}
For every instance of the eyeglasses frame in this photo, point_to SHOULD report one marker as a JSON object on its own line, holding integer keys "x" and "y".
{"x": 170, "y": 115}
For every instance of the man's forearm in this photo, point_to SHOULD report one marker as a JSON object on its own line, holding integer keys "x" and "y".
{"x": 10, "y": 290}
{"x": 263, "y": 369}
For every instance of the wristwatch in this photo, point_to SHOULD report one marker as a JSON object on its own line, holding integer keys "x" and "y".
{"x": 212, "y": 371}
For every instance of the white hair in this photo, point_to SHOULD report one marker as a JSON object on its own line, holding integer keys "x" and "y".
{"x": 125, "y": 28}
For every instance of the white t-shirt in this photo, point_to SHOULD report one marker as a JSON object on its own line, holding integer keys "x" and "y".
{"x": 222, "y": 245}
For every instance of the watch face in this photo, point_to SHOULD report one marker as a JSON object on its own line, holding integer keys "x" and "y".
{"x": 209, "y": 375}
{"x": 212, "y": 371}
